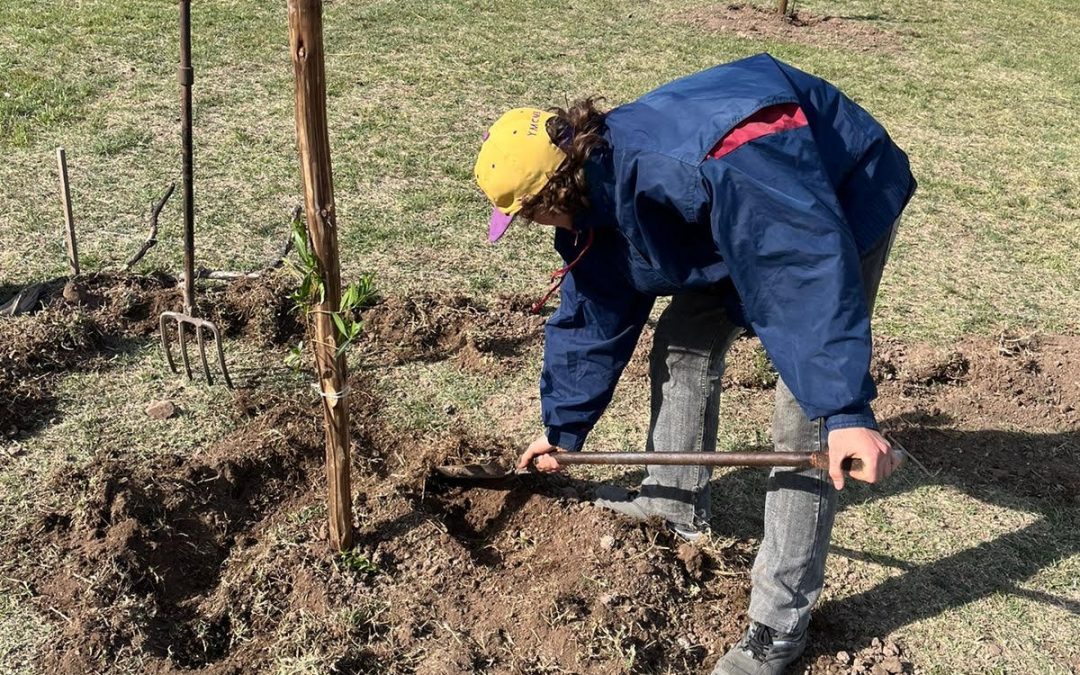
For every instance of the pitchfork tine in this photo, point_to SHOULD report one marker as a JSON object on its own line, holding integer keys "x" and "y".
{"x": 183, "y": 347}
{"x": 162, "y": 327}
{"x": 221, "y": 356}
{"x": 202, "y": 353}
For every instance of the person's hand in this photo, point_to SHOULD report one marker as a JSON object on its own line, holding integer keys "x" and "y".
{"x": 863, "y": 444}
{"x": 542, "y": 452}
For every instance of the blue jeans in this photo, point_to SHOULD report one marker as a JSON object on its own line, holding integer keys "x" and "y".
{"x": 687, "y": 364}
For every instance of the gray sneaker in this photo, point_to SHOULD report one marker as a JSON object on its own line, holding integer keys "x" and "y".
{"x": 689, "y": 533}
{"x": 620, "y": 500}
{"x": 626, "y": 502}
{"x": 762, "y": 651}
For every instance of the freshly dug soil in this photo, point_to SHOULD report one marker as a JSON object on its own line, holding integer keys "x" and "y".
{"x": 206, "y": 562}
{"x": 1002, "y": 412}
{"x": 757, "y": 23}
{"x": 214, "y": 561}
{"x": 81, "y": 323}
{"x": 435, "y": 327}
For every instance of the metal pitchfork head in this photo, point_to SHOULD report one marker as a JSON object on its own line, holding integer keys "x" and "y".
{"x": 198, "y": 325}
{"x": 188, "y": 317}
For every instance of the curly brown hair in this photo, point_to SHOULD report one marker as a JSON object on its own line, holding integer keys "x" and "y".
{"x": 578, "y": 130}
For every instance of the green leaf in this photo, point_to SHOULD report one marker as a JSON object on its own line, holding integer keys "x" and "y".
{"x": 340, "y": 323}
{"x": 295, "y": 356}
{"x": 349, "y": 298}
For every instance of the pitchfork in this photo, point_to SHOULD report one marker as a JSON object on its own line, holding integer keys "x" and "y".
{"x": 188, "y": 317}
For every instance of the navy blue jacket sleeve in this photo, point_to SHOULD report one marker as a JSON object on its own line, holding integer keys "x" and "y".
{"x": 588, "y": 341}
{"x": 793, "y": 259}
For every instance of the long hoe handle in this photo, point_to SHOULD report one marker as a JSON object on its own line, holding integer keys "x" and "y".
{"x": 813, "y": 460}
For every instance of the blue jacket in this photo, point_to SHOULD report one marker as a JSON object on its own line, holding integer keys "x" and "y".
{"x": 777, "y": 225}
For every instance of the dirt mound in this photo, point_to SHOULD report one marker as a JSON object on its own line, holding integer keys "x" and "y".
{"x": 128, "y": 305}
{"x": 260, "y": 310}
{"x": 215, "y": 561}
{"x": 144, "y": 543}
{"x": 988, "y": 411}
{"x": 434, "y": 327}
{"x": 197, "y": 563}
{"x": 81, "y": 322}
{"x": 530, "y": 580}
{"x": 756, "y": 23}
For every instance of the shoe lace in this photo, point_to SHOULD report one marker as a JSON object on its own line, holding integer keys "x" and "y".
{"x": 758, "y": 641}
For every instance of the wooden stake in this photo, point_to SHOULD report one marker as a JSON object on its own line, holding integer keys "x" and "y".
{"x": 65, "y": 196}
{"x": 313, "y": 140}
{"x": 781, "y": 6}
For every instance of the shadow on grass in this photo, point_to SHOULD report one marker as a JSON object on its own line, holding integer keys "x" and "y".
{"x": 1029, "y": 472}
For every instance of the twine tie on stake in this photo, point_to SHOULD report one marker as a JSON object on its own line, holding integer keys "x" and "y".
{"x": 333, "y": 396}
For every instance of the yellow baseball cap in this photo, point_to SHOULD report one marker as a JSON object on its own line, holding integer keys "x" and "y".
{"x": 516, "y": 161}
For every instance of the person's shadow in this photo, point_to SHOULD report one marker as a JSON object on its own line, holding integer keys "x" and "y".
{"x": 1034, "y": 473}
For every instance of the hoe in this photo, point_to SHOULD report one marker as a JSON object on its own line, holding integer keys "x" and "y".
{"x": 188, "y": 317}
{"x": 491, "y": 473}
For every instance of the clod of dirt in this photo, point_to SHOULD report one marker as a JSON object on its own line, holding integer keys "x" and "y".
{"x": 161, "y": 410}
{"x": 76, "y": 293}
{"x": 881, "y": 657}
{"x": 259, "y": 309}
{"x": 918, "y": 365}
{"x": 692, "y": 559}
{"x": 756, "y": 23}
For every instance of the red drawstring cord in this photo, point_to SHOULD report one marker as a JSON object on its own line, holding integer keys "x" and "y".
{"x": 558, "y": 275}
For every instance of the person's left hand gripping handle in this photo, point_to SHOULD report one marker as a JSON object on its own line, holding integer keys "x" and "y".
{"x": 541, "y": 454}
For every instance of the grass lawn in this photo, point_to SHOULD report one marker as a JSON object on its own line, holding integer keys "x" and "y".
{"x": 984, "y": 97}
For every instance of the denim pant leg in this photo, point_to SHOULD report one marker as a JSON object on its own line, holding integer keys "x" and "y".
{"x": 686, "y": 365}
{"x": 800, "y": 505}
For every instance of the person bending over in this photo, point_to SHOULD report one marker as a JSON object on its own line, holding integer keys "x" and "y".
{"x": 761, "y": 199}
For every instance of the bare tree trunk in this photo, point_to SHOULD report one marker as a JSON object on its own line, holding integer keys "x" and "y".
{"x": 781, "y": 6}
{"x": 306, "y": 45}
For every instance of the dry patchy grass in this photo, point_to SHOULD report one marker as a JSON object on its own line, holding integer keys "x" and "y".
{"x": 990, "y": 241}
